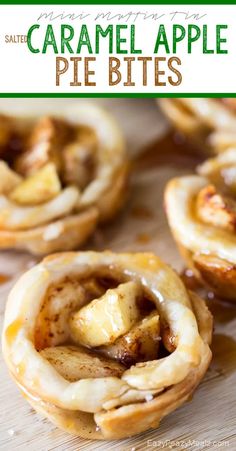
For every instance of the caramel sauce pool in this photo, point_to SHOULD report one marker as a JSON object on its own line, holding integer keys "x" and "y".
{"x": 224, "y": 353}
{"x": 172, "y": 149}
{"x": 4, "y": 278}
{"x": 223, "y": 344}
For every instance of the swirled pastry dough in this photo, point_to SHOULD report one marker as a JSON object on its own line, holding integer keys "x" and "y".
{"x": 105, "y": 345}
{"x": 211, "y": 123}
{"x": 201, "y": 211}
{"x": 59, "y": 176}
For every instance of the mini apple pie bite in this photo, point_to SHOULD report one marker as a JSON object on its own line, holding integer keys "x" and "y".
{"x": 210, "y": 123}
{"x": 60, "y": 175}
{"x": 201, "y": 210}
{"x": 105, "y": 345}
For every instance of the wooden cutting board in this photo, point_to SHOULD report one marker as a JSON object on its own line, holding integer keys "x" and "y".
{"x": 210, "y": 417}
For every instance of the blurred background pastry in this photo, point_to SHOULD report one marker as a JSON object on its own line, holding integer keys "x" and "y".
{"x": 208, "y": 123}
{"x": 201, "y": 210}
{"x": 61, "y": 174}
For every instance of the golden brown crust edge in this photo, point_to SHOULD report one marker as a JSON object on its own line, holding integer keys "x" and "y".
{"x": 135, "y": 418}
{"x": 129, "y": 419}
{"x": 99, "y": 202}
{"x": 66, "y": 233}
{"x": 208, "y": 250}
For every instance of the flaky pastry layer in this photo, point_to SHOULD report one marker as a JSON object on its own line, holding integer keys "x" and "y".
{"x": 201, "y": 211}
{"x": 72, "y": 321}
{"x": 72, "y": 176}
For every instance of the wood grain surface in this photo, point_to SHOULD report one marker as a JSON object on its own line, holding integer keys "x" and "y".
{"x": 208, "y": 421}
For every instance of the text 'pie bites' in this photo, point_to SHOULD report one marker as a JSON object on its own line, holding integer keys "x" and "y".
{"x": 60, "y": 175}
{"x": 105, "y": 345}
{"x": 201, "y": 211}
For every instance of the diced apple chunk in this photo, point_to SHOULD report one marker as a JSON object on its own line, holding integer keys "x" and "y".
{"x": 41, "y": 187}
{"x": 105, "y": 319}
{"x": 140, "y": 344}
{"x": 45, "y": 143}
{"x": 216, "y": 209}
{"x": 79, "y": 159}
{"x": 78, "y": 165}
{"x": 8, "y": 178}
{"x": 75, "y": 363}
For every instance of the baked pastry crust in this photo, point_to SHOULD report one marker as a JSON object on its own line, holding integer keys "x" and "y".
{"x": 209, "y": 123}
{"x": 46, "y": 359}
{"x": 84, "y": 180}
{"x": 201, "y": 211}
